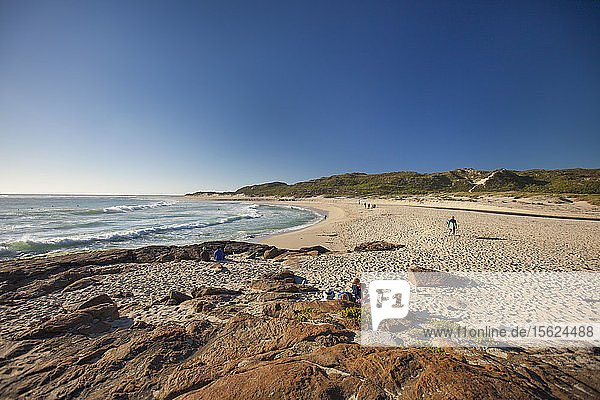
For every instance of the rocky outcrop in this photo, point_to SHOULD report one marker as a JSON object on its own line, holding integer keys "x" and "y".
{"x": 204, "y": 291}
{"x": 273, "y": 343}
{"x": 88, "y": 317}
{"x": 264, "y": 357}
{"x": 377, "y": 246}
{"x": 12, "y": 271}
{"x": 291, "y": 309}
{"x": 283, "y": 281}
{"x": 280, "y": 254}
{"x": 314, "y": 249}
{"x": 81, "y": 284}
{"x": 94, "y": 301}
{"x": 179, "y": 297}
{"x": 60, "y": 324}
{"x": 272, "y": 253}
{"x": 29, "y": 278}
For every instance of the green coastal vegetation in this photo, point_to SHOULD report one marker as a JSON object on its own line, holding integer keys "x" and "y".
{"x": 584, "y": 183}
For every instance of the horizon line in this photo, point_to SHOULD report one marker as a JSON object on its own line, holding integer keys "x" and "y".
{"x": 89, "y": 194}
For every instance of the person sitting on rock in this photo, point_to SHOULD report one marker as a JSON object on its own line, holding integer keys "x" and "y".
{"x": 205, "y": 254}
{"x": 345, "y": 296}
{"x": 356, "y": 293}
{"x": 328, "y": 294}
{"x": 219, "y": 254}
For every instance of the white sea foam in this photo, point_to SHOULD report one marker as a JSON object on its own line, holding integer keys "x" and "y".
{"x": 52, "y": 225}
{"x": 26, "y": 243}
{"x": 124, "y": 209}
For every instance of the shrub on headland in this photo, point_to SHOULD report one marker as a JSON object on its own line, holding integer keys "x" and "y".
{"x": 574, "y": 181}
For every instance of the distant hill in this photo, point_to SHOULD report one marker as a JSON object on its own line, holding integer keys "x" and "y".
{"x": 575, "y": 181}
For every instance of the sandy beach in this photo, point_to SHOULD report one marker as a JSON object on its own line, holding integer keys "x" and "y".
{"x": 485, "y": 243}
{"x": 143, "y": 292}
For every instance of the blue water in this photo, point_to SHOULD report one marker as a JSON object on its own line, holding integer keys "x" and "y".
{"x": 33, "y": 225}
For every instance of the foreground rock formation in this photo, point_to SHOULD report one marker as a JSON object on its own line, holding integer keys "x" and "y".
{"x": 377, "y": 245}
{"x": 268, "y": 339}
{"x": 33, "y": 277}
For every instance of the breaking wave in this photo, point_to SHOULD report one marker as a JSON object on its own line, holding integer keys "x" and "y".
{"x": 125, "y": 209}
{"x": 37, "y": 246}
{"x": 54, "y": 224}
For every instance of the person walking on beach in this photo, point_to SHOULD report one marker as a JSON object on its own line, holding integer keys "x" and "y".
{"x": 452, "y": 225}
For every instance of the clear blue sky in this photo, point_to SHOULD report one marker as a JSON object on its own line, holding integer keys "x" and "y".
{"x": 176, "y": 96}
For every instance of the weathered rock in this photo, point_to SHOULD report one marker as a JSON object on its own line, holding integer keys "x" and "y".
{"x": 179, "y": 297}
{"x": 103, "y": 312}
{"x": 94, "y": 328}
{"x": 209, "y": 303}
{"x": 204, "y": 306}
{"x": 377, "y": 246}
{"x": 312, "y": 249}
{"x": 59, "y": 324}
{"x": 288, "y": 379}
{"x": 274, "y": 296}
{"x": 213, "y": 291}
{"x": 285, "y": 255}
{"x": 282, "y": 281}
{"x": 254, "y": 357}
{"x": 275, "y": 286}
{"x": 198, "y": 327}
{"x": 94, "y": 301}
{"x": 99, "y": 308}
{"x": 33, "y": 277}
{"x": 272, "y": 253}
{"x": 36, "y": 288}
{"x": 282, "y": 275}
{"x": 81, "y": 284}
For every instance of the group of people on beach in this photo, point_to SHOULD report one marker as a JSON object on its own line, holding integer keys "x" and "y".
{"x": 368, "y": 205}
{"x": 354, "y": 295}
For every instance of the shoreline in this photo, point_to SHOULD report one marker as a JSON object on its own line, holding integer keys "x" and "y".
{"x": 322, "y": 233}
{"x": 320, "y": 216}
{"x": 344, "y": 211}
{"x": 311, "y": 235}
{"x": 330, "y": 227}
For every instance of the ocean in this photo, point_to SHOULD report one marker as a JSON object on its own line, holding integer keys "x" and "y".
{"x": 41, "y": 224}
